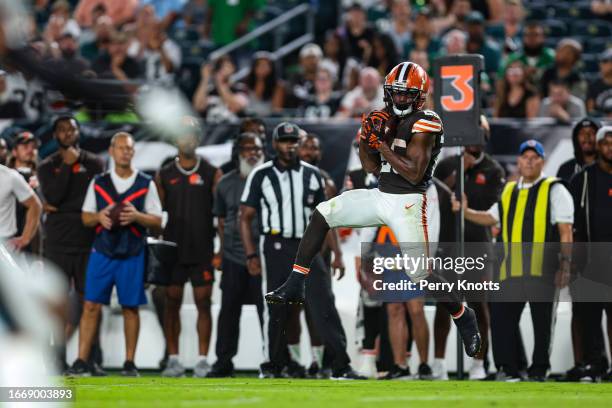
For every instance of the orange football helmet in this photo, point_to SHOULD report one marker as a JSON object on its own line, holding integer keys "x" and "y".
{"x": 406, "y": 88}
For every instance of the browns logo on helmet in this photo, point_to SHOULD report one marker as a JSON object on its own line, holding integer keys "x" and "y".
{"x": 406, "y": 88}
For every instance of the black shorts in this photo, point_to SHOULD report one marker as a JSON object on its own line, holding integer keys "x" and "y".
{"x": 73, "y": 265}
{"x": 201, "y": 274}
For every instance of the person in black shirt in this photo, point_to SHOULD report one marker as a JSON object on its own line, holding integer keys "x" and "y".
{"x": 484, "y": 180}
{"x": 238, "y": 286}
{"x": 64, "y": 177}
{"x": 591, "y": 189}
{"x": 585, "y": 151}
{"x": 310, "y": 151}
{"x": 325, "y": 102}
{"x": 283, "y": 193}
{"x": 186, "y": 187}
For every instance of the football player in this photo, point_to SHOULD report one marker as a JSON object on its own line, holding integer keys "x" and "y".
{"x": 400, "y": 145}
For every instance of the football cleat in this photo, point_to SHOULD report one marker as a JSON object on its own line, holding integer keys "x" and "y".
{"x": 291, "y": 292}
{"x": 468, "y": 329}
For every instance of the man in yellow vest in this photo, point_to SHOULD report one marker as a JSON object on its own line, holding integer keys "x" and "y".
{"x": 535, "y": 209}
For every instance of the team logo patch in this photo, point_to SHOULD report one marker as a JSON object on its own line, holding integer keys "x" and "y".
{"x": 481, "y": 179}
{"x": 277, "y": 245}
{"x": 196, "y": 180}
{"x": 288, "y": 128}
{"x": 174, "y": 180}
{"x": 77, "y": 168}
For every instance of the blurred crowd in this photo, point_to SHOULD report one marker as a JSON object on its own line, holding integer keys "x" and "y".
{"x": 537, "y": 62}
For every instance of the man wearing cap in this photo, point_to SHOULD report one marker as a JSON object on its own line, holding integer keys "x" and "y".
{"x": 599, "y": 94}
{"x": 283, "y": 193}
{"x": 14, "y": 188}
{"x": 23, "y": 159}
{"x": 591, "y": 189}
{"x": 534, "y": 209}
{"x": 186, "y": 187}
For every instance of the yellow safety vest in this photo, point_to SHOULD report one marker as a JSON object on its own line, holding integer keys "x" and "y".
{"x": 524, "y": 217}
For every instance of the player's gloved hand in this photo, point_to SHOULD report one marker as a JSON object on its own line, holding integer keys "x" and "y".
{"x": 373, "y": 128}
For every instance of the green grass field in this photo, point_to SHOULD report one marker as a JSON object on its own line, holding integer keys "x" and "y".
{"x": 150, "y": 391}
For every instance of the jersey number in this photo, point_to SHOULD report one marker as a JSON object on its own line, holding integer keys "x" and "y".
{"x": 460, "y": 76}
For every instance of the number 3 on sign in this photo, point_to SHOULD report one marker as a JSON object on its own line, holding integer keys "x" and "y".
{"x": 460, "y": 76}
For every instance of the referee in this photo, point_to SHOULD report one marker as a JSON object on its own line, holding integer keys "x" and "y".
{"x": 284, "y": 193}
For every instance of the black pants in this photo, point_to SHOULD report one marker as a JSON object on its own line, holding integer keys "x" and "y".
{"x": 508, "y": 350}
{"x": 238, "y": 288}
{"x": 589, "y": 316}
{"x": 279, "y": 255}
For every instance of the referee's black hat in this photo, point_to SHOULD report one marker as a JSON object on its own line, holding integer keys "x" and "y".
{"x": 286, "y": 130}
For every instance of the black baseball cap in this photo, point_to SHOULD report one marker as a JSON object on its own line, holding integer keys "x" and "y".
{"x": 286, "y": 130}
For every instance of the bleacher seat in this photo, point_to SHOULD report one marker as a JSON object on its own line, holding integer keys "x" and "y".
{"x": 597, "y": 45}
{"x": 589, "y": 63}
{"x": 537, "y": 12}
{"x": 555, "y": 28}
{"x": 593, "y": 28}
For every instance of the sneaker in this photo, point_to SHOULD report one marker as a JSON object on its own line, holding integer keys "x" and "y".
{"x": 573, "y": 374}
{"x": 590, "y": 375}
{"x": 97, "y": 371}
{"x": 397, "y": 373}
{"x": 425, "y": 372}
{"x": 367, "y": 368}
{"x": 346, "y": 373}
{"x": 174, "y": 369}
{"x": 269, "y": 370}
{"x": 291, "y": 292}
{"x": 467, "y": 325}
{"x": 220, "y": 371}
{"x": 313, "y": 370}
{"x": 129, "y": 369}
{"x": 201, "y": 369}
{"x": 295, "y": 370}
{"x": 607, "y": 377}
{"x": 477, "y": 372}
{"x": 79, "y": 369}
{"x": 325, "y": 373}
{"x": 439, "y": 371}
{"x": 502, "y": 376}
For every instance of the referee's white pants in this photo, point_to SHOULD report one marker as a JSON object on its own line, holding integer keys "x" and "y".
{"x": 405, "y": 214}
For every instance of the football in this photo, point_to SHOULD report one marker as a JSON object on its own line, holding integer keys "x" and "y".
{"x": 114, "y": 215}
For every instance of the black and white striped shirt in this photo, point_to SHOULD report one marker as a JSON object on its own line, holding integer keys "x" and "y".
{"x": 285, "y": 198}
